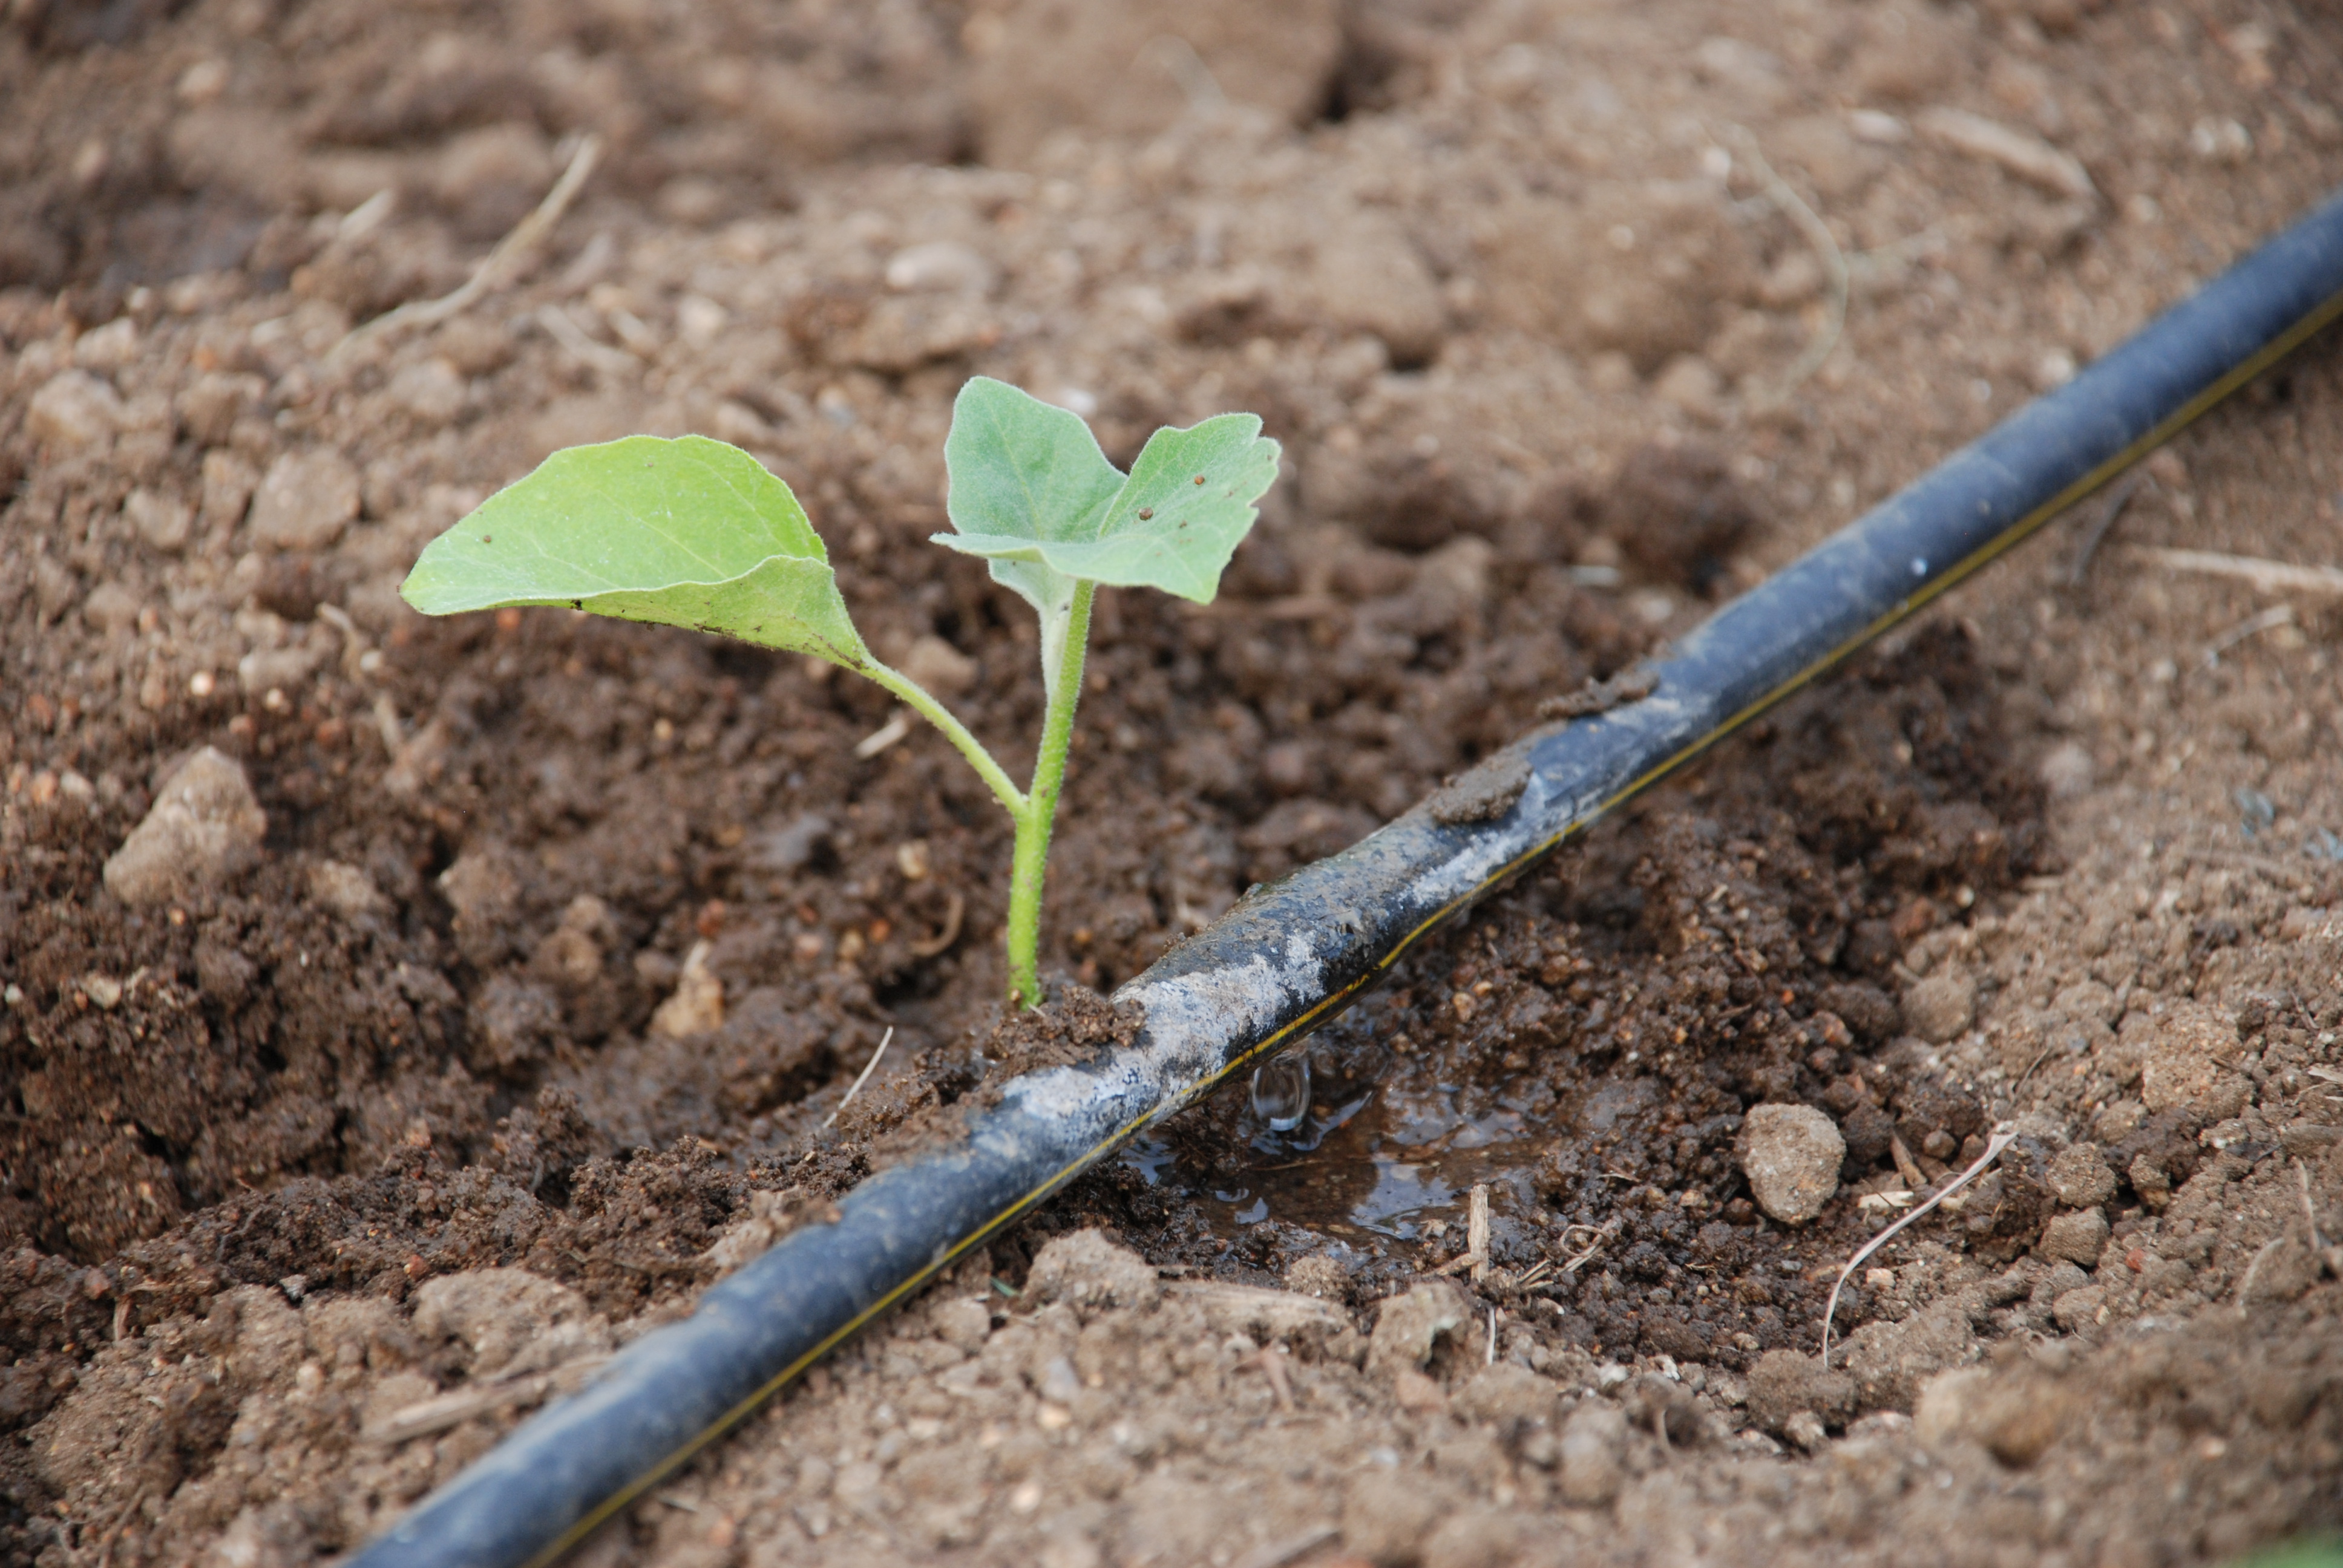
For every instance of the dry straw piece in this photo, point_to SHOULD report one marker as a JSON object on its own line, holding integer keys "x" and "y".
{"x": 2002, "y": 1137}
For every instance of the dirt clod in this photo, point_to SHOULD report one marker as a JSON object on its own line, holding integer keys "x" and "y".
{"x": 1087, "y": 1271}
{"x": 1939, "y": 1007}
{"x": 1786, "y": 1382}
{"x": 1594, "y": 1454}
{"x": 2079, "y": 1175}
{"x": 1075, "y": 1025}
{"x": 2187, "y": 1048}
{"x": 1482, "y": 794}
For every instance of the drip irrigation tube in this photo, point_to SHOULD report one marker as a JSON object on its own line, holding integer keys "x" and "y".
{"x": 1289, "y": 956}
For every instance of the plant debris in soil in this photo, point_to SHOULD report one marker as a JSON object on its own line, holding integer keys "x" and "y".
{"x": 400, "y": 1016}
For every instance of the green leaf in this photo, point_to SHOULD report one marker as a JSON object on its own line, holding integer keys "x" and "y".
{"x": 1019, "y": 467}
{"x": 1030, "y": 489}
{"x": 689, "y": 532}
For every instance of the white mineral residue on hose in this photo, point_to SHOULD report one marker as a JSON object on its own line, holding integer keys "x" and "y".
{"x": 1192, "y": 1022}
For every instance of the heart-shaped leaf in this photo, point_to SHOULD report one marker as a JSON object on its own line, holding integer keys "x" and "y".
{"x": 687, "y": 532}
{"x": 1030, "y": 488}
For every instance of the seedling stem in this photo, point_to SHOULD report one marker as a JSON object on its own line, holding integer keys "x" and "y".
{"x": 1029, "y": 860}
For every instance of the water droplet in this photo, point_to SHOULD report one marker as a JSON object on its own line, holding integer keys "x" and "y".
{"x": 1280, "y": 1091}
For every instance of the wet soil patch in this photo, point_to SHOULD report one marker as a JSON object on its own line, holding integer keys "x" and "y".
{"x": 1586, "y": 1042}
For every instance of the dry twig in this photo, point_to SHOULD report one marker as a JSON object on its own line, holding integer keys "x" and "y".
{"x": 955, "y": 909}
{"x": 863, "y": 1077}
{"x": 2269, "y": 576}
{"x": 886, "y": 735}
{"x": 1905, "y": 1166}
{"x": 1278, "y": 1554}
{"x": 2330, "y": 1256}
{"x": 441, "y": 1412}
{"x": 1272, "y": 1367}
{"x": 563, "y": 328}
{"x": 2001, "y": 1141}
{"x": 496, "y": 269}
{"x": 1602, "y": 1238}
{"x": 1826, "y": 250}
{"x": 2252, "y": 625}
{"x": 2029, "y": 157}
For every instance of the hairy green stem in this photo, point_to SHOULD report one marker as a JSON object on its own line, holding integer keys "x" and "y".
{"x": 1032, "y": 853}
{"x": 995, "y": 777}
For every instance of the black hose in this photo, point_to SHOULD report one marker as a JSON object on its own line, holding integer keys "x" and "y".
{"x": 1289, "y": 956}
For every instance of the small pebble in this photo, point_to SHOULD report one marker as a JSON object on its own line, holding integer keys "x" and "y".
{"x": 163, "y": 521}
{"x": 1087, "y": 1270}
{"x": 72, "y": 409}
{"x": 2068, "y": 771}
{"x": 267, "y": 669}
{"x": 305, "y": 501}
{"x": 964, "y": 1324}
{"x": 2079, "y": 1309}
{"x": 938, "y": 668}
{"x": 345, "y": 889}
{"x": 110, "y": 609}
{"x": 1792, "y": 1154}
{"x": 113, "y": 347}
{"x": 696, "y": 1007}
{"x": 1408, "y": 1326}
{"x": 432, "y": 390}
{"x": 944, "y": 266}
{"x": 1940, "y": 1008}
{"x": 205, "y": 827}
{"x": 1318, "y": 1275}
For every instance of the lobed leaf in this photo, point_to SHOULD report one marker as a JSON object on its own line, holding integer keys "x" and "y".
{"x": 687, "y": 532}
{"x": 1032, "y": 492}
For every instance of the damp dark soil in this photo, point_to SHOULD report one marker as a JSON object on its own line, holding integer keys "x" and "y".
{"x": 523, "y": 998}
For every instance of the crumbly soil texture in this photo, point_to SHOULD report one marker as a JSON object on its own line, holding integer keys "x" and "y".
{"x": 402, "y": 1015}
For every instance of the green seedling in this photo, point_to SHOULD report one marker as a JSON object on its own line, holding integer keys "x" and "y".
{"x": 695, "y": 533}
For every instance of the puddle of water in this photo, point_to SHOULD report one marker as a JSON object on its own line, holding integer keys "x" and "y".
{"x": 1378, "y": 1158}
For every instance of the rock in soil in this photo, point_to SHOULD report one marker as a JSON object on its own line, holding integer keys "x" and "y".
{"x": 305, "y": 501}
{"x": 204, "y": 828}
{"x": 1791, "y": 1154}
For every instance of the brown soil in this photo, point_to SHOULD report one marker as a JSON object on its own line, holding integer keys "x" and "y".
{"x": 528, "y": 1014}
